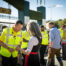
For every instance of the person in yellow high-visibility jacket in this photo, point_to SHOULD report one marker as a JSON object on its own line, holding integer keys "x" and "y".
{"x": 43, "y": 45}
{"x": 10, "y": 42}
{"x": 25, "y": 37}
{"x": 64, "y": 43}
{"x": 61, "y": 31}
{"x": 3, "y": 27}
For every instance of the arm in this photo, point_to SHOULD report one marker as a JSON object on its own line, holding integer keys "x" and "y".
{"x": 51, "y": 42}
{"x": 25, "y": 52}
{"x": 5, "y": 46}
{"x": 25, "y": 40}
{"x": 51, "y": 38}
{"x": 19, "y": 46}
{"x": 2, "y": 38}
{"x": 29, "y": 48}
{"x": 32, "y": 42}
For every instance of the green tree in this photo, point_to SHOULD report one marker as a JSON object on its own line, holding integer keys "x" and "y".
{"x": 60, "y": 22}
{"x": 64, "y": 22}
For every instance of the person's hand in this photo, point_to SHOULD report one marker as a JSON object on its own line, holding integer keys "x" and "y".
{"x": 21, "y": 50}
{"x": 49, "y": 50}
{"x": 11, "y": 50}
{"x": 18, "y": 48}
{"x": 49, "y": 45}
{"x": 25, "y": 52}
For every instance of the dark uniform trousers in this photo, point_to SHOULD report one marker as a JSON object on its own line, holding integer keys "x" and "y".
{"x": 42, "y": 53}
{"x": 9, "y": 61}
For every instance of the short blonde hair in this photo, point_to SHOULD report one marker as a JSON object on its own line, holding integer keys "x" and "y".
{"x": 34, "y": 28}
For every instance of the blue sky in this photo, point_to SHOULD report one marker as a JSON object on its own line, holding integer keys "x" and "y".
{"x": 54, "y": 14}
{"x": 57, "y": 12}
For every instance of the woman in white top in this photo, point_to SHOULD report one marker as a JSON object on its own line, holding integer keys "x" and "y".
{"x": 32, "y": 58}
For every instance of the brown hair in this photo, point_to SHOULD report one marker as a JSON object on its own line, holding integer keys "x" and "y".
{"x": 51, "y": 23}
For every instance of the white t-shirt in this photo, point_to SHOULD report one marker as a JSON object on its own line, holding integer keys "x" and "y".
{"x": 32, "y": 42}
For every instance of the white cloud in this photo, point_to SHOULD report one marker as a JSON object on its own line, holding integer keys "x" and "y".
{"x": 59, "y": 5}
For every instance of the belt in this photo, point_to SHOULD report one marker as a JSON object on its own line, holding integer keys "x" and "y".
{"x": 63, "y": 42}
{"x": 33, "y": 53}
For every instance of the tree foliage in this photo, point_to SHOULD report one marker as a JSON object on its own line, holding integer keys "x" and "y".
{"x": 59, "y": 23}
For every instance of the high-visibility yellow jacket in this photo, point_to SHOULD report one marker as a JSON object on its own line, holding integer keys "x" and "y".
{"x": 64, "y": 34}
{"x": 44, "y": 37}
{"x": 12, "y": 40}
{"x": 26, "y": 36}
{"x": 61, "y": 32}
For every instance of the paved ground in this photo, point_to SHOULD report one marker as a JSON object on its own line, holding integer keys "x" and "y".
{"x": 56, "y": 62}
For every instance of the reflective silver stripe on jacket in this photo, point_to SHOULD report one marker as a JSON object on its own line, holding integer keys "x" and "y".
{"x": 12, "y": 35}
{"x": 7, "y": 35}
{"x": 11, "y": 45}
{"x": 45, "y": 37}
{"x": 8, "y": 38}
